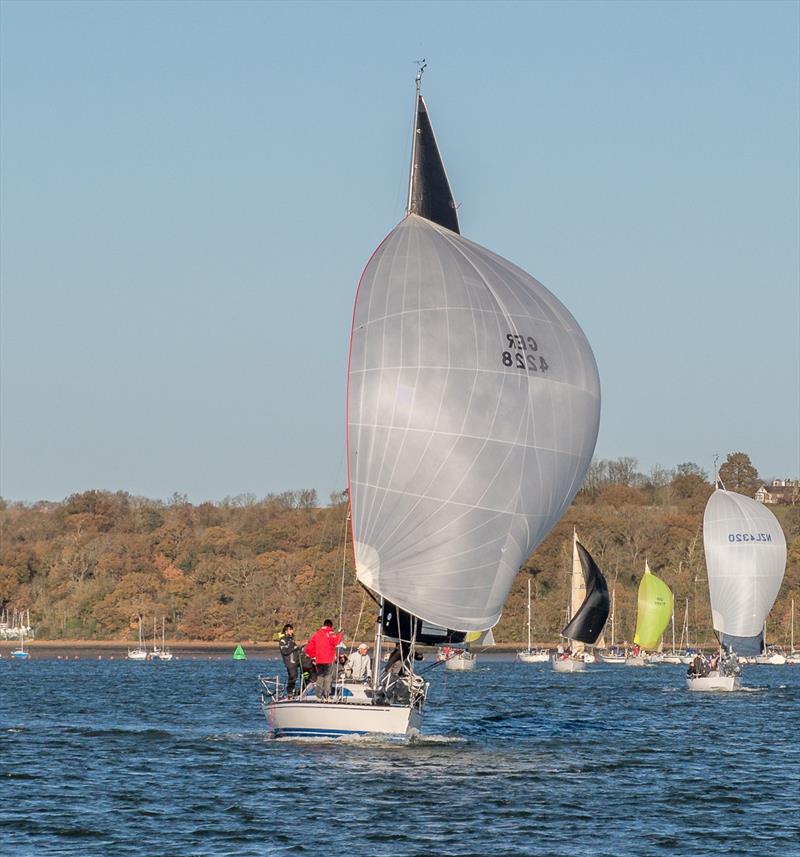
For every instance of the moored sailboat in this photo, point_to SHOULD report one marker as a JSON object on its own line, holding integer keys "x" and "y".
{"x": 472, "y": 414}
{"x": 140, "y": 652}
{"x": 613, "y": 655}
{"x": 21, "y": 653}
{"x": 745, "y": 559}
{"x": 590, "y": 608}
{"x": 162, "y": 653}
{"x": 532, "y": 656}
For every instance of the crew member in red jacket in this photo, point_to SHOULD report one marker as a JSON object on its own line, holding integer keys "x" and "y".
{"x": 322, "y": 648}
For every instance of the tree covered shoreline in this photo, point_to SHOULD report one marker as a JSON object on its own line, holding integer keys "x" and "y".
{"x": 89, "y": 566}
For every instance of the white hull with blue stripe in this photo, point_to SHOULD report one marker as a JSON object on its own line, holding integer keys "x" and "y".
{"x": 312, "y": 719}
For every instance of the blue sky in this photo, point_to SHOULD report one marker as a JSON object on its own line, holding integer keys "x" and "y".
{"x": 191, "y": 190}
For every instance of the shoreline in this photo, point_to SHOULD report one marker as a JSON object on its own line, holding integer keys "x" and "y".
{"x": 182, "y": 648}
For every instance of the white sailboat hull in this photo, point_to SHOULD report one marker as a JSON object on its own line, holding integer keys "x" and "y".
{"x": 715, "y": 683}
{"x": 568, "y": 665}
{"x": 774, "y": 659}
{"x": 464, "y": 661}
{"x": 635, "y": 661}
{"x": 137, "y": 655}
{"x": 612, "y": 659}
{"x": 533, "y": 657}
{"x": 299, "y": 719}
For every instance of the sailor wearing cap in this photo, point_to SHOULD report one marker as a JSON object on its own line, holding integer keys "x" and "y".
{"x": 357, "y": 667}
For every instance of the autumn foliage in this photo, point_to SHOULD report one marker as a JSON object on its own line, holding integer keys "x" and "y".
{"x": 89, "y": 566}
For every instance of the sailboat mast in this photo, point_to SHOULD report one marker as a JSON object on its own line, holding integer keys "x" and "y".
{"x": 673, "y": 630}
{"x": 414, "y": 137}
{"x": 577, "y": 586}
{"x": 378, "y": 661}
{"x": 613, "y": 619}
{"x": 529, "y": 614}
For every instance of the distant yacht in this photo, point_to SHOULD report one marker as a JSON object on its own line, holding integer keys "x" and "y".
{"x": 140, "y": 652}
{"x": 21, "y": 653}
{"x": 162, "y": 654}
{"x": 531, "y": 656}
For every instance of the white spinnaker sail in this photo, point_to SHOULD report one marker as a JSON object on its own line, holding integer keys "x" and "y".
{"x": 473, "y": 410}
{"x": 746, "y": 558}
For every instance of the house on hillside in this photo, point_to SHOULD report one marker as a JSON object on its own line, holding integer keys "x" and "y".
{"x": 781, "y": 491}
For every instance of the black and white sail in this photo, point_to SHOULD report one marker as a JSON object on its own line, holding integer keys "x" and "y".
{"x": 473, "y": 408}
{"x": 588, "y": 622}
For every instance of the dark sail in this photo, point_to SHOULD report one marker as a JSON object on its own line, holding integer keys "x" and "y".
{"x": 429, "y": 191}
{"x": 588, "y": 622}
{"x": 401, "y": 625}
{"x": 745, "y": 646}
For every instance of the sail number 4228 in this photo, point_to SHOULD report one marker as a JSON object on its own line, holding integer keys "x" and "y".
{"x": 523, "y": 354}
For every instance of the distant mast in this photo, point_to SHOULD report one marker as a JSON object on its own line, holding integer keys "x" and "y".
{"x": 429, "y": 193}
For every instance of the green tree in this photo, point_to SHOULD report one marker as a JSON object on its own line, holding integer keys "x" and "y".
{"x": 738, "y": 474}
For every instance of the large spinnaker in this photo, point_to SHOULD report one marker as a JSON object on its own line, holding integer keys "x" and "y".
{"x": 473, "y": 410}
{"x": 588, "y": 622}
{"x": 746, "y": 558}
{"x": 654, "y": 610}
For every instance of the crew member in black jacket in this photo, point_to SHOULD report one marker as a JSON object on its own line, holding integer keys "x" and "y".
{"x": 290, "y": 653}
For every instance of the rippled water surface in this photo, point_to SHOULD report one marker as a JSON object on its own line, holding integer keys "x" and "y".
{"x": 125, "y": 758}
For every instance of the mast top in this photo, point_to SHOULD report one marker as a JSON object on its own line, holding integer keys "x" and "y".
{"x": 429, "y": 193}
{"x": 421, "y": 66}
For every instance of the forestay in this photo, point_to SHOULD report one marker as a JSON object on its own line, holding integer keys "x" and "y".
{"x": 473, "y": 410}
{"x": 746, "y": 558}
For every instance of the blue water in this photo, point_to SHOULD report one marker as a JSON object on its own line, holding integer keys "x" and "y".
{"x": 123, "y": 758}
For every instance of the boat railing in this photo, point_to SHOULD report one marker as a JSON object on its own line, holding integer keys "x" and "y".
{"x": 272, "y": 689}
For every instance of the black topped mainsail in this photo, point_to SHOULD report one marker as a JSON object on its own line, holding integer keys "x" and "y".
{"x": 429, "y": 193}
{"x": 588, "y": 622}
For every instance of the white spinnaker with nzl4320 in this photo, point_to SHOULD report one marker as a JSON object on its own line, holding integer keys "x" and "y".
{"x": 746, "y": 558}
{"x": 473, "y": 411}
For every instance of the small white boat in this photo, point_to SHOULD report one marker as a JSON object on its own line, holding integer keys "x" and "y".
{"x": 461, "y": 659}
{"x": 21, "y": 654}
{"x": 532, "y": 656}
{"x": 140, "y": 652}
{"x": 715, "y": 681}
{"x": 771, "y": 659}
{"x": 163, "y": 653}
{"x": 535, "y": 656}
{"x": 568, "y": 664}
{"x": 635, "y": 661}
{"x": 612, "y": 657}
